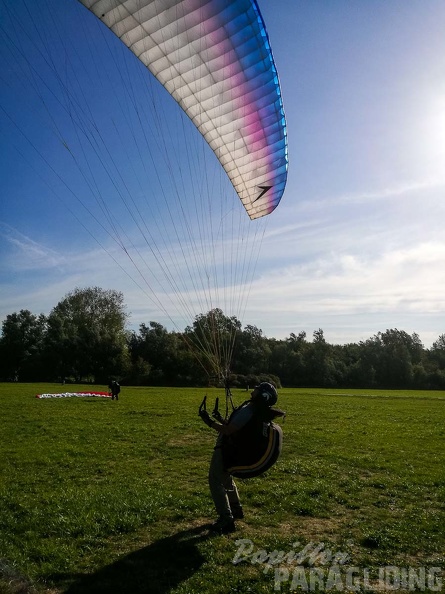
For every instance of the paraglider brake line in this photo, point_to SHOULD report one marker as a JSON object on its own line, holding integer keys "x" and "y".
{"x": 202, "y": 406}
{"x": 215, "y": 413}
{"x": 228, "y": 397}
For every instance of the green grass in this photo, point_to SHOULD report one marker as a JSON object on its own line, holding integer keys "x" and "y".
{"x": 111, "y": 497}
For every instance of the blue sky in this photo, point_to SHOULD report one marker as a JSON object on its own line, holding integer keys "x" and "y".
{"x": 356, "y": 245}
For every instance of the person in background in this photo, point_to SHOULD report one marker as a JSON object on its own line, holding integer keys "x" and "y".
{"x": 115, "y": 390}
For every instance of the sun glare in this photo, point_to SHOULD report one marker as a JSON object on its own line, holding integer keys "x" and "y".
{"x": 435, "y": 132}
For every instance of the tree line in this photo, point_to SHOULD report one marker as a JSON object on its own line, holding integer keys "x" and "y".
{"x": 85, "y": 338}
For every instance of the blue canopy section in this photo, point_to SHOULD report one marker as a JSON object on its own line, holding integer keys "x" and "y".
{"x": 215, "y": 59}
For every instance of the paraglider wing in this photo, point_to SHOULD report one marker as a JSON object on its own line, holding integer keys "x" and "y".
{"x": 75, "y": 394}
{"x": 214, "y": 58}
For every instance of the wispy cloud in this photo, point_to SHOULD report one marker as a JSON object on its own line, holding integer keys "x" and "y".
{"x": 354, "y": 291}
{"x": 347, "y": 282}
{"x": 306, "y": 208}
{"x": 396, "y": 191}
{"x": 22, "y": 253}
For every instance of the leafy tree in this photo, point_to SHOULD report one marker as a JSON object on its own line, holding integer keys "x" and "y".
{"x": 388, "y": 359}
{"x": 295, "y": 342}
{"x": 170, "y": 363}
{"x": 319, "y": 337}
{"x": 154, "y": 344}
{"x": 435, "y": 363}
{"x": 87, "y": 335}
{"x": 287, "y": 359}
{"x": 211, "y": 339}
{"x": 21, "y": 346}
{"x": 318, "y": 362}
{"x": 437, "y": 352}
{"x": 400, "y": 351}
{"x": 252, "y": 352}
{"x": 439, "y": 344}
{"x": 370, "y": 362}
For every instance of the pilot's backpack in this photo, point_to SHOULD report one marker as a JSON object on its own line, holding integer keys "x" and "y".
{"x": 253, "y": 449}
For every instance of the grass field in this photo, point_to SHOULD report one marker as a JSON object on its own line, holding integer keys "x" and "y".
{"x": 111, "y": 497}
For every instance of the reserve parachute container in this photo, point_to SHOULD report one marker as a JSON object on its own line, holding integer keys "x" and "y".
{"x": 254, "y": 450}
{"x": 255, "y": 447}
